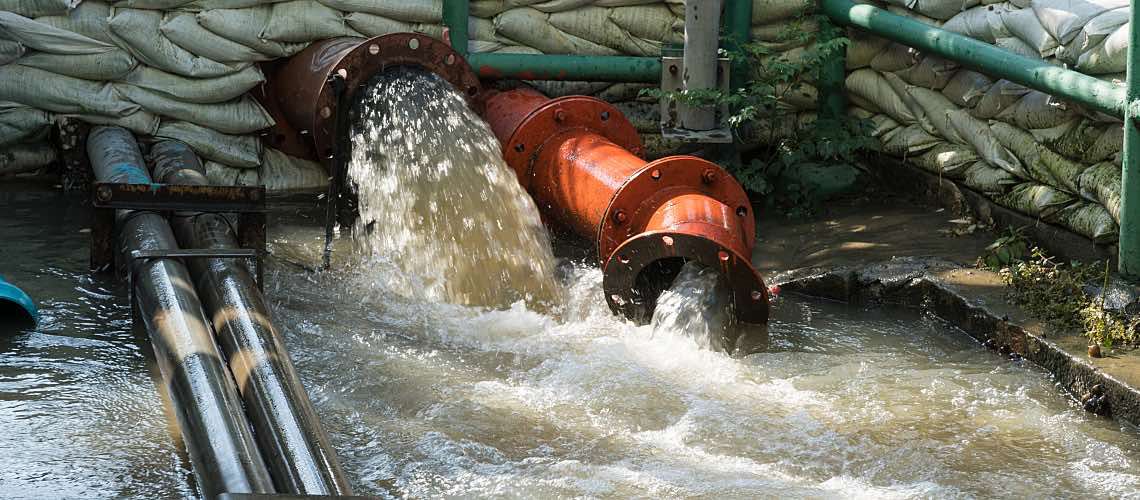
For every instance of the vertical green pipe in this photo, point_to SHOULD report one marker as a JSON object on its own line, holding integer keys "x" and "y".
{"x": 1129, "y": 258}
{"x": 455, "y": 14}
{"x": 737, "y": 22}
{"x": 832, "y": 99}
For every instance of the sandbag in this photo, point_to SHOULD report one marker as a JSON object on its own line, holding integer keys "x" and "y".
{"x": 593, "y": 24}
{"x": 902, "y": 89}
{"x": 1109, "y": 143}
{"x": 655, "y": 23}
{"x": 932, "y": 72}
{"x": 20, "y": 123}
{"x": 896, "y": 57}
{"x": 881, "y": 124}
{"x": 1023, "y": 25}
{"x": 1042, "y": 164}
{"x": 966, "y": 88}
{"x": 1072, "y": 139}
{"x": 183, "y": 30}
{"x": 372, "y": 25}
{"x": 242, "y": 151}
{"x": 980, "y": 23}
{"x": 281, "y": 173}
{"x": 1063, "y": 19}
{"x": 141, "y": 122}
{"x": 1101, "y": 183}
{"x": 988, "y": 179}
{"x": 908, "y": 141}
{"x": 1036, "y": 200}
{"x": 88, "y": 19}
{"x": 303, "y": 21}
{"x": 106, "y": 66}
{"x": 947, "y": 160}
{"x": 60, "y": 94}
{"x": 10, "y": 51}
{"x": 1110, "y": 56}
{"x": 201, "y": 91}
{"x": 624, "y": 92}
{"x": 200, "y": 5}
{"x": 872, "y": 87}
{"x": 645, "y": 116}
{"x": 138, "y": 32}
{"x": 863, "y": 48}
{"x": 24, "y": 158}
{"x": 978, "y": 134}
{"x": 37, "y": 8}
{"x": 152, "y": 4}
{"x": 240, "y": 116}
{"x": 224, "y": 175}
{"x": 1093, "y": 33}
{"x": 1017, "y": 46}
{"x": 769, "y": 11}
{"x": 46, "y": 38}
{"x": 937, "y": 108}
{"x": 1090, "y": 220}
{"x": 531, "y": 27}
{"x": 1037, "y": 110}
{"x": 554, "y": 88}
{"x": 942, "y": 9}
{"x": 1000, "y": 96}
{"x": 778, "y": 31}
{"x": 412, "y": 11}
{"x": 244, "y": 26}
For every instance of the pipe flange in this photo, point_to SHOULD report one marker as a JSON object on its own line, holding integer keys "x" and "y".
{"x": 560, "y": 115}
{"x": 628, "y": 297}
{"x": 661, "y": 180}
{"x": 304, "y": 88}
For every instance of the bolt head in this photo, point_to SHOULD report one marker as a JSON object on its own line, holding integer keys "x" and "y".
{"x": 559, "y": 115}
{"x": 103, "y": 193}
{"x": 620, "y": 217}
{"x": 709, "y": 176}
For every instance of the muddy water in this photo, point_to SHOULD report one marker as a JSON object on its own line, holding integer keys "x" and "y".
{"x": 426, "y": 399}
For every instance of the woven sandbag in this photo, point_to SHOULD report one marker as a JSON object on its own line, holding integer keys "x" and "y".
{"x": 1036, "y": 200}
{"x": 200, "y": 5}
{"x": 943, "y": 9}
{"x": 1023, "y": 25}
{"x": 488, "y": 8}
{"x": 1109, "y": 143}
{"x": 138, "y": 32}
{"x": 37, "y": 8}
{"x": 373, "y": 25}
{"x": 244, "y": 26}
{"x": 240, "y": 116}
{"x": 988, "y": 179}
{"x": 870, "y": 85}
{"x": 619, "y": 92}
{"x": 182, "y": 29}
{"x": 1063, "y": 19}
{"x": 645, "y": 116}
{"x": 411, "y": 11}
{"x": 97, "y": 67}
{"x": 151, "y": 4}
{"x": 1072, "y": 139}
{"x": 303, "y": 21}
{"x": 908, "y": 141}
{"x": 966, "y": 88}
{"x": 1101, "y": 183}
{"x": 234, "y": 150}
{"x": 1109, "y": 56}
{"x": 24, "y": 158}
{"x": 1093, "y": 33}
{"x": 10, "y": 51}
{"x": 881, "y": 124}
{"x": 1042, "y": 164}
{"x": 896, "y": 57}
{"x": 769, "y": 11}
{"x": 985, "y": 143}
{"x": 932, "y": 72}
{"x": 1001, "y": 95}
{"x": 594, "y": 24}
{"x": 224, "y": 175}
{"x": 554, "y": 88}
{"x": 650, "y": 22}
{"x": 141, "y": 122}
{"x": 980, "y": 23}
{"x": 532, "y": 28}
{"x": 780, "y": 30}
{"x": 1090, "y": 220}
{"x": 19, "y": 123}
{"x": 88, "y": 19}
{"x": 863, "y": 48}
{"x": 937, "y": 108}
{"x": 281, "y": 173}
{"x": 902, "y": 89}
{"x": 1017, "y": 46}
{"x": 60, "y": 94}
{"x": 945, "y": 159}
{"x": 1037, "y": 110}
{"x": 46, "y": 38}
{"x": 201, "y": 91}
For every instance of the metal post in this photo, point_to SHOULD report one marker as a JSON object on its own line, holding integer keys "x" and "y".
{"x": 209, "y": 410}
{"x": 1128, "y": 261}
{"x": 298, "y": 452}
{"x": 702, "y": 29}
{"x": 455, "y": 14}
{"x": 832, "y": 91}
{"x": 738, "y": 24}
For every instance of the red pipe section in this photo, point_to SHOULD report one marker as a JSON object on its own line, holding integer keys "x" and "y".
{"x": 578, "y": 158}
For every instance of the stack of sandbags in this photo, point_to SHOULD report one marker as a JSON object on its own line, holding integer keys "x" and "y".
{"x": 1027, "y": 150}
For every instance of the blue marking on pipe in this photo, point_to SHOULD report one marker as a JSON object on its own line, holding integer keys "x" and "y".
{"x": 128, "y": 173}
{"x": 10, "y": 294}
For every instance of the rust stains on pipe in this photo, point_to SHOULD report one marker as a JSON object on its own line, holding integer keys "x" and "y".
{"x": 579, "y": 158}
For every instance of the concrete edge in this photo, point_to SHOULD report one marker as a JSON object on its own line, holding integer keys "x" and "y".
{"x": 932, "y": 286}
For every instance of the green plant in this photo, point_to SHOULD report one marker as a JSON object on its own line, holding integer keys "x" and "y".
{"x": 806, "y": 162}
{"x": 1008, "y": 249}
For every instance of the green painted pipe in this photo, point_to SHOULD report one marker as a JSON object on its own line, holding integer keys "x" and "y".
{"x": 1033, "y": 73}
{"x": 1128, "y": 261}
{"x": 455, "y": 14}
{"x": 737, "y": 21}
{"x": 832, "y": 91}
{"x": 566, "y": 67}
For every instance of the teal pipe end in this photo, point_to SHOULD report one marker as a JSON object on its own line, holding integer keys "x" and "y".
{"x": 16, "y": 306}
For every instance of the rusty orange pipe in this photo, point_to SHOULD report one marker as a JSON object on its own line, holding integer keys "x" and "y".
{"x": 578, "y": 157}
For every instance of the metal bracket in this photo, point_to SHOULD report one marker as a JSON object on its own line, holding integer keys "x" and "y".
{"x": 247, "y": 201}
{"x": 203, "y": 253}
{"x": 672, "y": 80}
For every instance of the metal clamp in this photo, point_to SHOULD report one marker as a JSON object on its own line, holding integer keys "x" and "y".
{"x": 137, "y": 256}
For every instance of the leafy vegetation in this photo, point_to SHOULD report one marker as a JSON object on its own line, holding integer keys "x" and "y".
{"x": 1056, "y": 292}
{"x": 805, "y": 163}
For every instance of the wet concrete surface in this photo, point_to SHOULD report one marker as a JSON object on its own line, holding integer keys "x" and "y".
{"x": 892, "y": 252}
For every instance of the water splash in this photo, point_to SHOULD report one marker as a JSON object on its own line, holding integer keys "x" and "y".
{"x": 697, "y": 305}
{"x": 437, "y": 201}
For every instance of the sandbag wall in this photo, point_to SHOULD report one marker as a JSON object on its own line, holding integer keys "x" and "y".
{"x": 182, "y": 69}
{"x": 1024, "y": 149}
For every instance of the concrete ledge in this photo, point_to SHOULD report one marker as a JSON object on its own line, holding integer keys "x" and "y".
{"x": 974, "y": 301}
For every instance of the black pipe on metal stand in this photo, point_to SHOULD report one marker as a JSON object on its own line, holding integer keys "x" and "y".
{"x": 209, "y": 410}
{"x": 287, "y": 427}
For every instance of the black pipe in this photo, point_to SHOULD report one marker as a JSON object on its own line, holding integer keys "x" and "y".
{"x": 287, "y": 427}
{"x": 217, "y": 435}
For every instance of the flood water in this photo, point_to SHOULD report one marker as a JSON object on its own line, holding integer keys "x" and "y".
{"x": 424, "y": 399}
